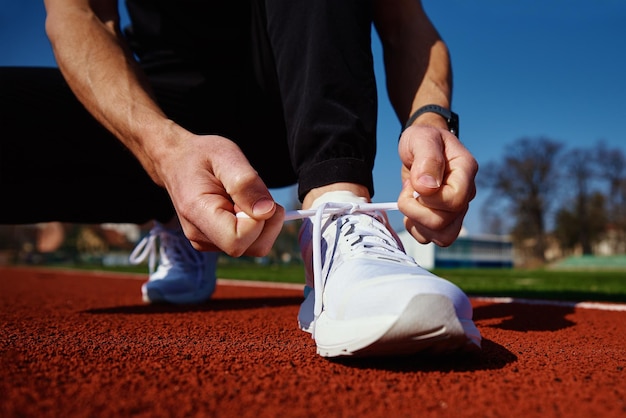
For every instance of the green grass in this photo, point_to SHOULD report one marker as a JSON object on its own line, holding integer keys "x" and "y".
{"x": 596, "y": 285}
{"x": 539, "y": 284}
{"x": 588, "y": 285}
{"x": 284, "y": 274}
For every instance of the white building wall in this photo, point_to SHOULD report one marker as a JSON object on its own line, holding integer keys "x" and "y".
{"x": 424, "y": 254}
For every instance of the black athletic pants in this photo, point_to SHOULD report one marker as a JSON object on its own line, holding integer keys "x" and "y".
{"x": 300, "y": 100}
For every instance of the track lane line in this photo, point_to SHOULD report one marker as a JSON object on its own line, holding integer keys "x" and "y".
{"x": 602, "y": 306}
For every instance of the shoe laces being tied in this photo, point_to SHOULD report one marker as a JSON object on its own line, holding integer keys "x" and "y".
{"x": 362, "y": 238}
{"x": 174, "y": 249}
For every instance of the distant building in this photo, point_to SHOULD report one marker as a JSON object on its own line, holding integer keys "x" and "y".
{"x": 466, "y": 251}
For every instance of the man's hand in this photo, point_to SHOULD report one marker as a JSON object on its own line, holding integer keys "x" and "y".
{"x": 209, "y": 179}
{"x": 442, "y": 171}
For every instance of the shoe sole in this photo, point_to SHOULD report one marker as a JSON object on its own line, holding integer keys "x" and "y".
{"x": 156, "y": 296}
{"x": 428, "y": 324}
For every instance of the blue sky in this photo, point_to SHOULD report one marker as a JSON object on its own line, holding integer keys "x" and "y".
{"x": 525, "y": 68}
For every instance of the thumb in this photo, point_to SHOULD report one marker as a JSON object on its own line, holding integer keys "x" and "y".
{"x": 428, "y": 168}
{"x": 260, "y": 209}
{"x": 252, "y": 197}
{"x": 243, "y": 184}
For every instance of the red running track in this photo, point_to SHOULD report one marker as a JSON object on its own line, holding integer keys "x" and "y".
{"x": 76, "y": 344}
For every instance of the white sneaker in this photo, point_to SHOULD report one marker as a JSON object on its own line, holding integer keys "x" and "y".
{"x": 184, "y": 275}
{"x": 366, "y": 297}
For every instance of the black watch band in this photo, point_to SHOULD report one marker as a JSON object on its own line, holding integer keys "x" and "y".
{"x": 452, "y": 119}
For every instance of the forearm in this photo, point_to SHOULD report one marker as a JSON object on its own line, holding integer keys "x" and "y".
{"x": 417, "y": 62}
{"x": 104, "y": 76}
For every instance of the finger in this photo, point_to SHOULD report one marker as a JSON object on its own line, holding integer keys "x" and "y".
{"x": 443, "y": 237}
{"x": 419, "y": 209}
{"x": 425, "y": 158}
{"x": 434, "y": 220}
{"x": 265, "y": 241}
{"x": 246, "y": 188}
{"x": 459, "y": 186}
{"x": 198, "y": 240}
{"x": 236, "y": 186}
{"x": 234, "y": 235}
{"x": 237, "y": 236}
{"x": 450, "y": 198}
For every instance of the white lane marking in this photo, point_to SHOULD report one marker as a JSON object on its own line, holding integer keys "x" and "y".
{"x": 602, "y": 306}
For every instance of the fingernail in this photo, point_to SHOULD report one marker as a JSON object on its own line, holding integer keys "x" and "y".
{"x": 429, "y": 181}
{"x": 263, "y": 206}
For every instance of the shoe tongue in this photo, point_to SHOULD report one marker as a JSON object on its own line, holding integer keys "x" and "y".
{"x": 367, "y": 223}
{"x": 341, "y": 196}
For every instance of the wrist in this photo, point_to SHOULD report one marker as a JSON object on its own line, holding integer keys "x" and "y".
{"x": 436, "y": 116}
{"x": 159, "y": 146}
{"x": 430, "y": 119}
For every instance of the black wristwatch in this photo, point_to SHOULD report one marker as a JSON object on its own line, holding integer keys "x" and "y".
{"x": 451, "y": 118}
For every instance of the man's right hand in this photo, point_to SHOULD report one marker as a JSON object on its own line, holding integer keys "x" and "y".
{"x": 209, "y": 180}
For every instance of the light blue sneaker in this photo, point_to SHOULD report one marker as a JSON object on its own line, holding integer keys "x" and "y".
{"x": 183, "y": 276}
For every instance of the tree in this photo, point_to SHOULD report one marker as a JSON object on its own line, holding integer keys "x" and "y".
{"x": 526, "y": 180}
{"x": 612, "y": 168}
{"x": 580, "y": 173}
{"x": 581, "y": 227}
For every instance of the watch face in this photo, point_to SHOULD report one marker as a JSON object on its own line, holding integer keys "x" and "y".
{"x": 453, "y": 124}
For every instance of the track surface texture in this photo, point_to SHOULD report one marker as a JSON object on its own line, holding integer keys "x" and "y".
{"x": 76, "y": 344}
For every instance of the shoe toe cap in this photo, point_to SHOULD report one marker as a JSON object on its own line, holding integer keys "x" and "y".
{"x": 389, "y": 293}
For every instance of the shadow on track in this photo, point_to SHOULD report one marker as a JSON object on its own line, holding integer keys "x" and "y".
{"x": 222, "y": 304}
{"x": 493, "y": 356}
{"x": 525, "y": 317}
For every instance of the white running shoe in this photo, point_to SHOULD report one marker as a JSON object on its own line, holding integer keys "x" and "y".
{"x": 366, "y": 297}
{"x": 184, "y": 275}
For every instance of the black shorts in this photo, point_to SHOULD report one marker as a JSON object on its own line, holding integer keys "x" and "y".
{"x": 291, "y": 83}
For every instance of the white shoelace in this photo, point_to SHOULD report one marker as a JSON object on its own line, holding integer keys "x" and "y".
{"x": 337, "y": 209}
{"x": 381, "y": 247}
{"x": 173, "y": 245}
{"x": 148, "y": 246}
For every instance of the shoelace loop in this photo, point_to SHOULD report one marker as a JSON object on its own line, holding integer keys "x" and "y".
{"x": 173, "y": 247}
{"x": 339, "y": 209}
{"x": 147, "y": 248}
{"x": 382, "y": 246}
{"x": 171, "y": 242}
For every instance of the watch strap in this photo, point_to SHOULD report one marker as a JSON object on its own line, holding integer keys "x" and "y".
{"x": 452, "y": 119}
